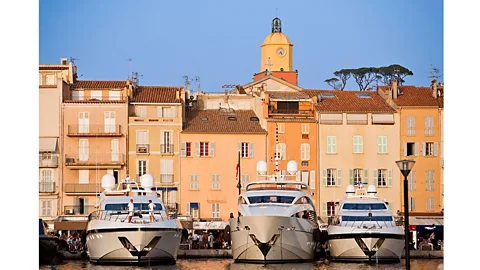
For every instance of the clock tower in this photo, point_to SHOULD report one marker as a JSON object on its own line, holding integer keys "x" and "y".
{"x": 276, "y": 50}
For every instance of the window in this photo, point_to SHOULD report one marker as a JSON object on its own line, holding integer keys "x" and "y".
{"x": 96, "y": 95}
{"x": 331, "y": 177}
{"x": 382, "y": 145}
{"x": 281, "y": 149}
{"x": 204, "y": 149}
{"x": 114, "y": 152}
{"x": 141, "y": 167}
{"x": 77, "y": 95}
{"x": 330, "y": 208}
{"x": 188, "y": 149}
{"x": 215, "y": 181}
{"x": 83, "y": 122}
{"x": 166, "y": 170}
{"x": 410, "y": 125}
{"x": 304, "y": 163}
{"x": 428, "y": 149}
{"x": 331, "y": 144}
{"x": 50, "y": 79}
{"x": 428, "y": 125}
{"x": 244, "y": 180}
{"x": 381, "y": 178}
{"x": 312, "y": 180}
{"x": 193, "y": 209}
{"x": 193, "y": 182}
{"x": 412, "y": 181}
{"x": 141, "y": 111}
{"x": 305, "y": 128}
{"x": 356, "y": 177}
{"x": 245, "y": 149}
{"x": 46, "y": 206}
{"x": 109, "y": 122}
{"x": 357, "y": 144}
{"x": 166, "y": 145}
{"x": 46, "y": 180}
{"x": 281, "y": 127}
{"x": 83, "y": 176}
{"x": 409, "y": 149}
{"x": 142, "y": 141}
{"x": 83, "y": 150}
{"x": 430, "y": 204}
{"x": 429, "y": 176}
{"x": 215, "y": 210}
{"x": 305, "y": 151}
{"x": 412, "y": 204}
{"x": 167, "y": 112}
{"x": 114, "y": 95}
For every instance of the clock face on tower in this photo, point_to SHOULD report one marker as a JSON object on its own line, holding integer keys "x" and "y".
{"x": 281, "y": 52}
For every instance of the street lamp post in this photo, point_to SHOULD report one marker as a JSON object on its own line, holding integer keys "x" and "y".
{"x": 405, "y": 167}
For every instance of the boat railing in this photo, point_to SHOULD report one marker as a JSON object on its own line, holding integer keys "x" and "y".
{"x": 361, "y": 224}
{"x": 121, "y": 215}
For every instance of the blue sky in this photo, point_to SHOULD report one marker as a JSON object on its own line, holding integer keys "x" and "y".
{"x": 219, "y": 41}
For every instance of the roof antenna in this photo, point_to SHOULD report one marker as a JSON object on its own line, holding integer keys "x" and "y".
{"x": 131, "y": 72}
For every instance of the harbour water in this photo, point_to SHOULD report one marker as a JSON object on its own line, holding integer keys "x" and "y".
{"x": 221, "y": 264}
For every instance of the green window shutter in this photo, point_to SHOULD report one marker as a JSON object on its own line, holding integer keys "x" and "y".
{"x": 329, "y": 150}
{"x": 250, "y": 150}
{"x": 324, "y": 175}
{"x": 385, "y": 144}
{"x": 375, "y": 177}
{"x": 334, "y": 147}
{"x": 390, "y": 178}
{"x": 339, "y": 177}
{"x": 365, "y": 176}
{"x": 240, "y": 147}
{"x": 390, "y": 205}
{"x": 324, "y": 209}
{"x": 360, "y": 144}
{"x": 211, "y": 149}
{"x": 351, "y": 176}
{"x": 197, "y": 149}
{"x": 379, "y": 144}
{"x": 354, "y": 144}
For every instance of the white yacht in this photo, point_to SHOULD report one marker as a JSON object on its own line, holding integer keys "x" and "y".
{"x": 276, "y": 220}
{"x": 112, "y": 239}
{"x": 365, "y": 229}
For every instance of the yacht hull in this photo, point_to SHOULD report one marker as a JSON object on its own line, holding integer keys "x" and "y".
{"x": 132, "y": 243}
{"x": 261, "y": 239}
{"x": 363, "y": 245}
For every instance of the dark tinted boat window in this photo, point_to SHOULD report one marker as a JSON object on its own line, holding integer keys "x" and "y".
{"x": 136, "y": 206}
{"x": 271, "y": 199}
{"x": 367, "y": 218}
{"x": 364, "y": 206}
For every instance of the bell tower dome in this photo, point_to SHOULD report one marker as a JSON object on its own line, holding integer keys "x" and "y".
{"x": 276, "y": 49}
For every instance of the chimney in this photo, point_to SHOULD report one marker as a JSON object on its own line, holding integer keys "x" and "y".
{"x": 394, "y": 89}
{"x": 434, "y": 88}
{"x": 370, "y": 89}
{"x": 177, "y": 94}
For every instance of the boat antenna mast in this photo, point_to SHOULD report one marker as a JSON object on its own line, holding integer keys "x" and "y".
{"x": 277, "y": 155}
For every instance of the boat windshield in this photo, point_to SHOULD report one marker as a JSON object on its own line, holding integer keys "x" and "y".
{"x": 364, "y": 206}
{"x": 271, "y": 199}
{"x": 136, "y": 206}
{"x": 367, "y": 218}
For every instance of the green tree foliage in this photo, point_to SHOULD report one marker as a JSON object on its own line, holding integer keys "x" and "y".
{"x": 394, "y": 72}
{"x": 344, "y": 75}
{"x": 333, "y": 82}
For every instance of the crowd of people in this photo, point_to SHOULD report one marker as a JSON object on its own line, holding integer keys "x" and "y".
{"x": 74, "y": 241}
{"x": 208, "y": 240}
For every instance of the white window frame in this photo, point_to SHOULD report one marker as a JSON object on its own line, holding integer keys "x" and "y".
{"x": 78, "y": 95}
{"x": 140, "y": 111}
{"x": 412, "y": 204}
{"x": 83, "y": 176}
{"x": 216, "y": 210}
{"x": 430, "y": 204}
{"x": 331, "y": 144}
{"x": 46, "y": 208}
{"x": 281, "y": 128}
{"x": 114, "y": 95}
{"x": 282, "y": 149}
{"x": 142, "y": 167}
{"x": 410, "y": 125}
{"x": 83, "y": 149}
{"x": 305, "y": 152}
{"x": 412, "y": 181}
{"x": 305, "y": 129}
{"x": 382, "y": 144}
{"x": 429, "y": 124}
{"x": 215, "y": 181}
{"x": 109, "y": 121}
{"x": 244, "y": 149}
{"x": 193, "y": 181}
{"x": 331, "y": 177}
{"x": 358, "y": 144}
{"x": 382, "y": 181}
{"x": 96, "y": 94}
{"x": 357, "y": 174}
{"x": 50, "y": 79}
{"x": 245, "y": 179}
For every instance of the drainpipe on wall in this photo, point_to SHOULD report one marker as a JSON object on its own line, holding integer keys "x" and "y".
{"x": 319, "y": 171}
{"x": 179, "y": 172}
{"x": 60, "y": 159}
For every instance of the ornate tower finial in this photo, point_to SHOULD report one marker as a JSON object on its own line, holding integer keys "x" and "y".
{"x": 276, "y": 25}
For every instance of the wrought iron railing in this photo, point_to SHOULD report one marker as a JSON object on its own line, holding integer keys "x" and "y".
{"x": 142, "y": 148}
{"x": 363, "y": 222}
{"x": 166, "y": 148}
{"x": 166, "y": 178}
{"x": 46, "y": 161}
{"x": 82, "y": 188}
{"x": 139, "y": 216}
{"x": 94, "y": 130}
{"x": 291, "y": 111}
{"x": 94, "y": 159}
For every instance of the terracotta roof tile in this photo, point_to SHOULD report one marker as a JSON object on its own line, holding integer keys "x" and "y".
{"x": 216, "y": 122}
{"x": 52, "y": 67}
{"x": 348, "y": 101}
{"x": 293, "y": 95}
{"x": 156, "y": 94}
{"x": 413, "y": 96}
{"x": 99, "y": 84}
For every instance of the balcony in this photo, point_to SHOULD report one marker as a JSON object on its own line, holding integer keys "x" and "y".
{"x": 293, "y": 112}
{"x": 83, "y": 188}
{"x": 142, "y": 148}
{"x": 166, "y": 149}
{"x": 79, "y": 160}
{"x": 47, "y": 160}
{"x": 94, "y": 131}
{"x": 77, "y": 210}
{"x": 46, "y": 187}
{"x": 166, "y": 179}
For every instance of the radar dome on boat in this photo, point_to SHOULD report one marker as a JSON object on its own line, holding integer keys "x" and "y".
{"x": 372, "y": 189}
{"x": 292, "y": 167}
{"x": 108, "y": 182}
{"x": 350, "y": 190}
{"x": 262, "y": 167}
{"x": 146, "y": 181}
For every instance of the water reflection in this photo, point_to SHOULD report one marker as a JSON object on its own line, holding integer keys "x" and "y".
{"x": 220, "y": 264}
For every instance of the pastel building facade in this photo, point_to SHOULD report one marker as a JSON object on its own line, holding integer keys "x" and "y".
{"x": 357, "y": 143}
{"x": 155, "y": 123}
{"x": 420, "y": 140}
{"x": 210, "y": 143}
{"x": 95, "y": 115}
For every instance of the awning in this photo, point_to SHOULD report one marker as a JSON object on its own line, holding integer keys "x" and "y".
{"x": 194, "y": 205}
{"x": 70, "y": 225}
{"x": 214, "y": 225}
{"x": 48, "y": 145}
{"x": 426, "y": 223}
{"x": 187, "y": 224}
